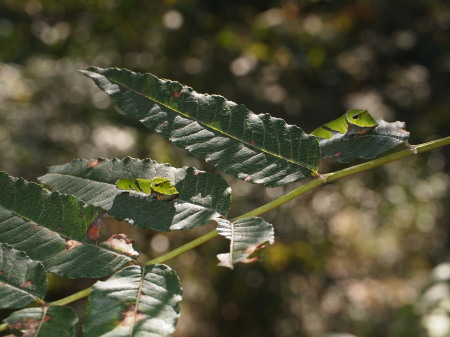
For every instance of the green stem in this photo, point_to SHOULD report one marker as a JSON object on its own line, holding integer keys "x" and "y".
{"x": 321, "y": 180}
{"x": 178, "y": 251}
{"x": 329, "y": 177}
{"x": 4, "y": 326}
{"x": 184, "y": 248}
{"x": 72, "y": 298}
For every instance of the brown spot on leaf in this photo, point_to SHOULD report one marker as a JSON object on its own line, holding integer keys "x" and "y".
{"x": 130, "y": 316}
{"x": 94, "y": 163}
{"x": 338, "y": 154}
{"x": 1, "y": 272}
{"x": 362, "y": 132}
{"x": 58, "y": 229}
{"x": 26, "y": 284}
{"x": 71, "y": 244}
{"x": 249, "y": 254}
{"x": 252, "y": 142}
{"x": 177, "y": 94}
{"x": 251, "y": 249}
{"x": 28, "y": 326}
{"x": 250, "y": 259}
{"x": 93, "y": 232}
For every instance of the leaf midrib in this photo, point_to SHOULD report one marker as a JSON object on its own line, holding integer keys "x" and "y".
{"x": 209, "y": 126}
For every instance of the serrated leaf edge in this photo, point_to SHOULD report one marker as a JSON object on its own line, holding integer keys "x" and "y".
{"x": 194, "y": 93}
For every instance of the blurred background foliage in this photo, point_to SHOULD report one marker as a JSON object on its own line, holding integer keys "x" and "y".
{"x": 366, "y": 256}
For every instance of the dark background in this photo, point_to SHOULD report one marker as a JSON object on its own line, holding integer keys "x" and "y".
{"x": 366, "y": 255}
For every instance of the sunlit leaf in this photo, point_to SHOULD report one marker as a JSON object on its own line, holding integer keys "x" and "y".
{"x": 247, "y": 237}
{"x": 256, "y": 148}
{"x": 368, "y": 145}
{"x": 54, "y": 229}
{"x": 202, "y": 196}
{"x": 53, "y": 321}
{"x": 21, "y": 279}
{"x": 136, "y": 301}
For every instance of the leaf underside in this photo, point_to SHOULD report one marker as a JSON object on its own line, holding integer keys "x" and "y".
{"x": 256, "y": 148}
{"x": 53, "y": 321}
{"x": 247, "y": 237}
{"x": 383, "y": 138}
{"x": 202, "y": 196}
{"x": 53, "y": 228}
{"x": 21, "y": 279}
{"x": 136, "y": 301}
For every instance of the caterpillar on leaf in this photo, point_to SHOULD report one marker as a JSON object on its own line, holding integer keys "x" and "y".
{"x": 353, "y": 122}
{"x": 159, "y": 188}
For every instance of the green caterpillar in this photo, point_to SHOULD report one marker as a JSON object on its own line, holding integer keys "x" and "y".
{"x": 353, "y": 122}
{"x": 158, "y": 187}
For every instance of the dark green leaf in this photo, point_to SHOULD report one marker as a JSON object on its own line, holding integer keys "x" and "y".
{"x": 256, "y": 148}
{"x": 54, "y": 229}
{"x": 247, "y": 237}
{"x": 21, "y": 279}
{"x": 202, "y": 196}
{"x": 366, "y": 146}
{"x": 53, "y": 321}
{"x": 135, "y": 302}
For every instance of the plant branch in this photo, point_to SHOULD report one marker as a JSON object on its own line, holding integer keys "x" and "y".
{"x": 320, "y": 180}
{"x": 184, "y": 248}
{"x": 72, "y": 298}
{"x": 329, "y": 177}
{"x": 4, "y": 326}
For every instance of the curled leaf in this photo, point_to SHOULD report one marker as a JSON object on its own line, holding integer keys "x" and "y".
{"x": 247, "y": 237}
{"x": 121, "y": 244}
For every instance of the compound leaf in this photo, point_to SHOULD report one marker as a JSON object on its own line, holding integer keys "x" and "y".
{"x": 202, "y": 196}
{"x": 256, "y": 148}
{"x": 53, "y": 321}
{"x": 136, "y": 301}
{"x": 21, "y": 279}
{"x": 54, "y": 229}
{"x": 247, "y": 237}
